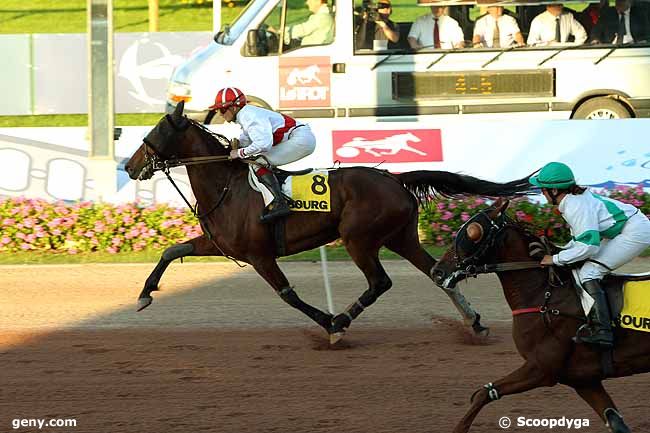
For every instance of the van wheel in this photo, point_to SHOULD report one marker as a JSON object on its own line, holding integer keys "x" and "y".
{"x": 602, "y": 108}
{"x": 216, "y": 120}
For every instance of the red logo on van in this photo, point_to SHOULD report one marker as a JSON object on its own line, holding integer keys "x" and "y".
{"x": 305, "y": 82}
{"x": 419, "y": 145}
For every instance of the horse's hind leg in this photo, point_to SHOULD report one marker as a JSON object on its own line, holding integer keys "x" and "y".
{"x": 271, "y": 272}
{"x": 407, "y": 245}
{"x": 600, "y": 401}
{"x": 367, "y": 259}
{"x": 199, "y": 246}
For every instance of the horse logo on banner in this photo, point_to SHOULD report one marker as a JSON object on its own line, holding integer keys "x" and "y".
{"x": 422, "y": 145}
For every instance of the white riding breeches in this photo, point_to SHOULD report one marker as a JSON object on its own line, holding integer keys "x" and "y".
{"x": 614, "y": 253}
{"x": 301, "y": 143}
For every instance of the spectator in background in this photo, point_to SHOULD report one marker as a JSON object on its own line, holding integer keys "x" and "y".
{"x": 496, "y": 30}
{"x": 436, "y": 30}
{"x": 317, "y": 30}
{"x": 590, "y": 15}
{"x": 622, "y": 24}
{"x": 555, "y": 25}
{"x": 377, "y": 33}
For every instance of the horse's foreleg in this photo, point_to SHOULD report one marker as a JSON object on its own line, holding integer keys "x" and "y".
{"x": 199, "y": 246}
{"x": 470, "y": 316}
{"x": 600, "y": 401}
{"x": 271, "y": 272}
{"x": 407, "y": 245}
{"x": 525, "y": 378}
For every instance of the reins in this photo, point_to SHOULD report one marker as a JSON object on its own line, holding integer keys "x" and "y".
{"x": 171, "y": 163}
{"x": 158, "y": 164}
{"x": 541, "y": 246}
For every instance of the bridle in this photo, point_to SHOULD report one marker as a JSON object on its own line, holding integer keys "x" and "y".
{"x": 470, "y": 266}
{"x": 492, "y": 229}
{"x": 154, "y": 161}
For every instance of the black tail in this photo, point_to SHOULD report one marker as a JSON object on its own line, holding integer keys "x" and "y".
{"x": 426, "y": 185}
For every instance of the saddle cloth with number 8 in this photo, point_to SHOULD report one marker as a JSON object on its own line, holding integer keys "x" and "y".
{"x": 309, "y": 192}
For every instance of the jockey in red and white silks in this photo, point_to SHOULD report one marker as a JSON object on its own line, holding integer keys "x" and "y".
{"x": 277, "y": 137}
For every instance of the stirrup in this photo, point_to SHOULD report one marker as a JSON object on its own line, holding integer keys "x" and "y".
{"x": 275, "y": 213}
{"x": 594, "y": 338}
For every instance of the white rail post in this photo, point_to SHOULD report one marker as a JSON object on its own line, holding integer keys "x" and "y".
{"x": 326, "y": 280}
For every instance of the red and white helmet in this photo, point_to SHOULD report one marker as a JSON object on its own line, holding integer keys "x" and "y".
{"x": 227, "y": 97}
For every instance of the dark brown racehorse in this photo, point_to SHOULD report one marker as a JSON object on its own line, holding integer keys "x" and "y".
{"x": 369, "y": 209}
{"x": 546, "y": 315}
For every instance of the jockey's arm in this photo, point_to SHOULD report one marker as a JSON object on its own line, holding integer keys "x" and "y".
{"x": 257, "y": 137}
{"x": 584, "y": 226}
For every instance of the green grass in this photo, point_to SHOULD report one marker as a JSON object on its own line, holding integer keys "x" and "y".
{"x": 69, "y": 16}
{"x": 76, "y": 120}
{"x": 34, "y": 258}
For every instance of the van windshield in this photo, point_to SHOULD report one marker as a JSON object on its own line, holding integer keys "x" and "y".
{"x": 231, "y": 33}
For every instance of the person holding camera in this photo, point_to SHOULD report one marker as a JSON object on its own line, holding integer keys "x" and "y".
{"x": 375, "y": 30}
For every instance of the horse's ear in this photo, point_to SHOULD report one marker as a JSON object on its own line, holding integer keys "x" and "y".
{"x": 500, "y": 205}
{"x": 178, "y": 112}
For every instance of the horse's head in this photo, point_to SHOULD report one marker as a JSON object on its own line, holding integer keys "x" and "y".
{"x": 162, "y": 143}
{"x": 474, "y": 246}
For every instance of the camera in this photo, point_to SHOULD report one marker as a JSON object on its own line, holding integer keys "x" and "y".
{"x": 370, "y": 11}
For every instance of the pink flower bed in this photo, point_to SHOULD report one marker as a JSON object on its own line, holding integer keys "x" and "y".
{"x": 39, "y": 225}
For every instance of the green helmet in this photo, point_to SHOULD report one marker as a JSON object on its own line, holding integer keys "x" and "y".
{"x": 554, "y": 175}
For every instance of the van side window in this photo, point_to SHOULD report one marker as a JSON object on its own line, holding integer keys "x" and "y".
{"x": 309, "y": 26}
{"x": 375, "y": 29}
{"x": 265, "y": 41}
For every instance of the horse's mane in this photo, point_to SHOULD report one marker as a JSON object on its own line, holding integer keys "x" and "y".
{"x": 528, "y": 231}
{"x": 214, "y": 138}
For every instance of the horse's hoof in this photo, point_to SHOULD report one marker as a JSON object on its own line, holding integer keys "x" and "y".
{"x": 335, "y": 337}
{"x": 144, "y": 303}
{"x": 615, "y": 421}
{"x": 481, "y": 331}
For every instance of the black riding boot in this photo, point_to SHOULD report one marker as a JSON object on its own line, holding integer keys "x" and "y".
{"x": 601, "y": 334}
{"x": 278, "y": 207}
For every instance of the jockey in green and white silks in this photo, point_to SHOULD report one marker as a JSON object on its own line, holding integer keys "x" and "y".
{"x": 605, "y": 232}
{"x": 603, "y": 229}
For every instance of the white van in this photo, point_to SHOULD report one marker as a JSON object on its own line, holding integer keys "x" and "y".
{"x": 337, "y": 79}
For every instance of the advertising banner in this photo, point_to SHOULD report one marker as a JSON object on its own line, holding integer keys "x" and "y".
{"x": 53, "y": 163}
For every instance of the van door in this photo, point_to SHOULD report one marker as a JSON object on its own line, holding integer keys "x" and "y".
{"x": 312, "y": 39}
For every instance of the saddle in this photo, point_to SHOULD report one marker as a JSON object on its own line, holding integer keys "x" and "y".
{"x": 282, "y": 175}
{"x": 628, "y": 296}
{"x": 278, "y": 228}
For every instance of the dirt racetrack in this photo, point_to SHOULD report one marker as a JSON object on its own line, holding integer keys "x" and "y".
{"x": 217, "y": 351}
